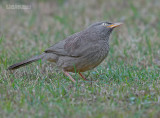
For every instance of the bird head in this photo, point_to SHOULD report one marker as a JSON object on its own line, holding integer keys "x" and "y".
{"x": 103, "y": 29}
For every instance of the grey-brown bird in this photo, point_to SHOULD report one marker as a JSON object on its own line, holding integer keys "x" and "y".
{"x": 79, "y": 52}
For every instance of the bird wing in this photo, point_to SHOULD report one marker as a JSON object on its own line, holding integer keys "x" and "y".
{"x": 75, "y": 46}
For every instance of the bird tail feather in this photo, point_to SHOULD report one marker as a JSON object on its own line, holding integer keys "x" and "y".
{"x": 25, "y": 62}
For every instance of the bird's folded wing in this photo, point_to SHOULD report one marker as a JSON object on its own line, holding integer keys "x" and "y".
{"x": 74, "y": 46}
{"x": 58, "y": 49}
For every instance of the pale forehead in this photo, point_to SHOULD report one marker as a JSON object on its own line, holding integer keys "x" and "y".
{"x": 99, "y": 23}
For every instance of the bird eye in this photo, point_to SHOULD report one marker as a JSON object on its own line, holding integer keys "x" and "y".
{"x": 104, "y": 24}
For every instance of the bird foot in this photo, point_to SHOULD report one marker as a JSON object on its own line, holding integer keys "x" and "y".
{"x": 70, "y": 77}
{"x": 83, "y": 77}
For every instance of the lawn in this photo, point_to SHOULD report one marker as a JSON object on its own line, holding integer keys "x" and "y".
{"x": 125, "y": 85}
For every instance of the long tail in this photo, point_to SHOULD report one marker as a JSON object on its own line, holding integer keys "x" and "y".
{"x": 23, "y": 63}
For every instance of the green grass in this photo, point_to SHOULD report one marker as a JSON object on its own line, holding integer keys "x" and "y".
{"x": 125, "y": 85}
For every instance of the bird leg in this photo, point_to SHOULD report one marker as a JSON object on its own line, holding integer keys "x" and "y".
{"x": 70, "y": 77}
{"x": 82, "y": 76}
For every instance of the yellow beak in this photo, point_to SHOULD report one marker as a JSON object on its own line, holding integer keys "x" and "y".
{"x": 115, "y": 25}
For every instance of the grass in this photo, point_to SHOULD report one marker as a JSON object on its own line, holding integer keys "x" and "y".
{"x": 125, "y": 85}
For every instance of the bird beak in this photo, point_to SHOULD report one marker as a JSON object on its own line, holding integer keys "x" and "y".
{"x": 114, "y": 25}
